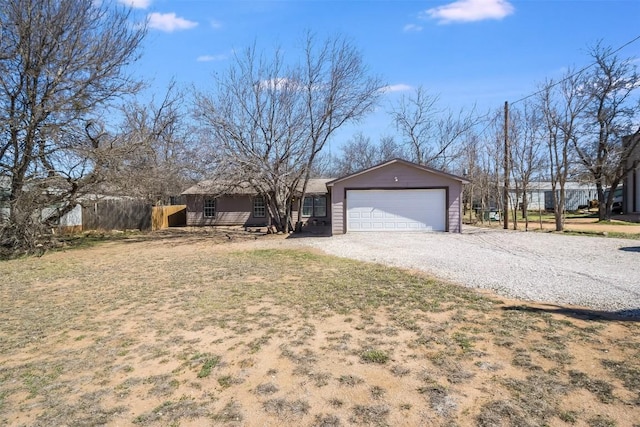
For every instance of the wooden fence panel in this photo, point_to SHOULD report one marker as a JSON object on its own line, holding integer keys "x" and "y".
{"x": 168, "y": 216}
{"x": 116, "y": 215}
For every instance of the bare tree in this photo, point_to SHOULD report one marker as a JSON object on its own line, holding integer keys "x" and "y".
{"x": 323, "y": 165}
{"x": 489, "y": 175}
{"x": 338, "y": 89}
{"x": 272, "y": 121}
{"x": 471, "y": 163}
{"x": 256, "y": 117}
{"x": 560, "y": 107}
{"x": 160, "y": 155}
{"x": 361, "y": 153}
{"x": 432, "y": 135}
{"x": 415, "y": 117}
{"x": 389, "y": 149}
{"x": 62, "y": 63}
{"x": 496, "y": 168}
{"x": 526, "y": 156}
{"x": 608, "y": 116}
{"x": 480, "y": 162}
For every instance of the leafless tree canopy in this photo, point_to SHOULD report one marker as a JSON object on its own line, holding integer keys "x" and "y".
{"x": 158, "y": 149}
{"x": 338, "y": 90}
{"x": 432, "y": 135}
{"x": 526, "y": 153}
{"x": 360, "y": 152}
{"x": 560, "y": 109}
{"x": 587, "y": 117}
{"x": 256, "y": 118}
{"x": 61, "y": 64}
{"x": 270, "y": 118}
{"x": 610, "y": 108}
{"x": 583, "y": 126}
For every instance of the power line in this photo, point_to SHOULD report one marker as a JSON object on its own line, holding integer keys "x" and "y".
{"x": 582, "y": 70}
{"x": 577, "y": 73}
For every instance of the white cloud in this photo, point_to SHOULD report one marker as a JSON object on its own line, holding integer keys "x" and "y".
{"x": 279, "y": 83}
{"x": 209, "y": 58}
{"x": 470, "y": 11}
{"x": 412, "y": 28}
{"x": 169, "y": 22}
{"x": 216, "y": 25}
{"x": 136, "y": 4}
{"x": 401, "y": 87}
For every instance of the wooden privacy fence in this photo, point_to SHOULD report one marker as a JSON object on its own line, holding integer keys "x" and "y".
{"x": 116, "y": 214}
{"x": 168, "y": 216}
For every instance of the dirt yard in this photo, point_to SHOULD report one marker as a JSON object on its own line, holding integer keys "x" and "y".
{"x": 241, "y": 330}
{"x": 590, "y": 225}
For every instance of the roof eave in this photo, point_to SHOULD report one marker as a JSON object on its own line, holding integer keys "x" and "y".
{"x": 405, "y": 162}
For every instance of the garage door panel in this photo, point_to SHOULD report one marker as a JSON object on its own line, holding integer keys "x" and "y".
{"x": 396, "y": 210}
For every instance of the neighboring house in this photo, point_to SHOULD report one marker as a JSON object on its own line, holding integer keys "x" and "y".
{"x": 71, "y": 220}
{"x": 631, "y": 183}
{"x": 393, "y": 196}
{"x": 540, "y": 195}
{"x": 91, "y": 212}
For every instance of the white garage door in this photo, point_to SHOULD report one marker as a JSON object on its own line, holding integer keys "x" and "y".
{"x": 396, "y": 210}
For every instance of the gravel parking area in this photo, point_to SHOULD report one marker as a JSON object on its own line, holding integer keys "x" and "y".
{"x": 599, "y": 273}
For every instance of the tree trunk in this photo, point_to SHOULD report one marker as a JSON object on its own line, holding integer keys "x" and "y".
{"x": 558, "y": 199}
{"x": 559, "y": 208}
{"x": 525, "y": 208}
{"x": 605, "y": 204}
{"x": 515, "y": 208}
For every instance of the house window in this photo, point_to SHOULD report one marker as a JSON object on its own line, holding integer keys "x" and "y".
{"x": 209, "y": 208}
{"x": 259, "y": 208}
{"x": 307, "y": 206}
{"x": 314, "y": 206}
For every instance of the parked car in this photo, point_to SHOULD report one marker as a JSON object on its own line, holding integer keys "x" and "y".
{"x": 616, "y": 207}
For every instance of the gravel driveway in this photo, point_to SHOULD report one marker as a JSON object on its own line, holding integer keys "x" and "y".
{"x": 600, "y": 273}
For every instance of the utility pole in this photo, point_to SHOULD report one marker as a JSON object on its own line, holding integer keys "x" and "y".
{"x": 505, "y": 193}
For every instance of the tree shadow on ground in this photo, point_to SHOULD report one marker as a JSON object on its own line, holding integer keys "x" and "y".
{"x": 631, "y": 315}
{"x": 319, "y": 231}
{"x": 630, "y": 249}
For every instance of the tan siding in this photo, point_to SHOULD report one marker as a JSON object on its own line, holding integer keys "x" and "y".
{"x": 455, "y": 206}
{"x": 337, "y": 221}
{"x": 407, "y": 176}
{"x": 230, "y": 210}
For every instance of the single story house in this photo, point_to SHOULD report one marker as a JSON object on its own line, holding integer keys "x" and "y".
{"x": 540, "y": 195}
{"x": 211, "y": 203}
{"x": 396, "y": 195}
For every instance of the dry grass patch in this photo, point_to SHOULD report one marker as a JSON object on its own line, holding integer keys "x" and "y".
{"x": 199, "y": 330}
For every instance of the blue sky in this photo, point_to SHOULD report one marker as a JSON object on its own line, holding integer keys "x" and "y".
{"x": 481, "y": 52}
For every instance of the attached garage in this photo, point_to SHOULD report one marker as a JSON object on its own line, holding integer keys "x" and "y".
{"x": 396, "y": 210}
{"x": 396, "y": 196}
